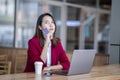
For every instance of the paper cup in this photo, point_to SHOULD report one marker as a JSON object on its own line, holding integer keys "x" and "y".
{"x": 38, "y": 67}
{"x": 38, "y": 77}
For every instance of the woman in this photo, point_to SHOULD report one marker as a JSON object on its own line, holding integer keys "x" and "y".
{"x": 38, "y": 46}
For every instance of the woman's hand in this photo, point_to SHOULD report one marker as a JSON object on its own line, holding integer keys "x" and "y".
{"x": 48, "y": 37}
{"x": 51, "y": 68}
{"x": 46, "y": 69}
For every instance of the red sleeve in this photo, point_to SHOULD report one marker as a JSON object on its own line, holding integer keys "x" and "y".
{"x": 64, "y": 61}
{"x": 34, "y": 52}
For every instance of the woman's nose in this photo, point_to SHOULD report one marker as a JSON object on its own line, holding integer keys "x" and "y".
{"x": 51, "y": 25}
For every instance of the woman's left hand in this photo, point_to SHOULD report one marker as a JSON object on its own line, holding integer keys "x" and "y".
{"x": 47, "y": 69}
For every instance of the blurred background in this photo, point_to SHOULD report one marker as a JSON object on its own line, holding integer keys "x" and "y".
{"x": 78, "y": 22}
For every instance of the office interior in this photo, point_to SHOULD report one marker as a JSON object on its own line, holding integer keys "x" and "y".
{"x": 81, "y": 24}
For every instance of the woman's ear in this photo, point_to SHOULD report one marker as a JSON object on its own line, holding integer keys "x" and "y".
{"x": 40, "y": 27}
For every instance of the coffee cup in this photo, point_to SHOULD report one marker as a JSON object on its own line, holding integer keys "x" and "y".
{"x": 38, "y": 67}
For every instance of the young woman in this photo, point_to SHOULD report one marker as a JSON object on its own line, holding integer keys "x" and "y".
{"x": 38, "y": 46}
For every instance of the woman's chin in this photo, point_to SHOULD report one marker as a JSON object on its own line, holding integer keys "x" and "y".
{"x": 51, "y": 37}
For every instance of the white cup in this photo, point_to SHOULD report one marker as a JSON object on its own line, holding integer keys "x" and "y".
{"x": 38, "y": 67}
{"x": 38, "y": 77}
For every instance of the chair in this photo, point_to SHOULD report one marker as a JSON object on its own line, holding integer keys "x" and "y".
{"x": 20, "y": 62}
{"x": 5, "y": 65}
{"x": 101, "y": 59}
{"x": 3, "y": 57}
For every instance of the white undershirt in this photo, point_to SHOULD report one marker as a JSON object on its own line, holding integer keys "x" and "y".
{"x": 49, "y": 55}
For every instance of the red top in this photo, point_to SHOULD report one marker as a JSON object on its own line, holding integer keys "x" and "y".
{"x": 34, "y": 51}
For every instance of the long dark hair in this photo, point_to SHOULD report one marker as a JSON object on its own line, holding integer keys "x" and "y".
{"x": 39, "y": 33}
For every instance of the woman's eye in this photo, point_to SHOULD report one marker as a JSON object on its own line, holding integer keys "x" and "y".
{"x": 46, "y": 22}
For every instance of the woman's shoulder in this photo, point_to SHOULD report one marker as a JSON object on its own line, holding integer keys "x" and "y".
{"x": 34, "y": 39}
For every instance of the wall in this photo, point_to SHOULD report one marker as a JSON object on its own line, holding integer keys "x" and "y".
{"x": 114, "y": 32}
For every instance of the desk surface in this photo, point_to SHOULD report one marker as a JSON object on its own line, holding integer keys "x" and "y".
{"x": 107, "y": 72}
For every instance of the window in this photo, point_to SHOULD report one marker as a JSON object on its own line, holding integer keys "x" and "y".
{"x": 6, "y": 23}
{"x": 28, "y": 12}
{"x": 91, "y": 3}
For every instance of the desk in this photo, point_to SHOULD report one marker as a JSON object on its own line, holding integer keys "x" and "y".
{"x": 106, "y": 72}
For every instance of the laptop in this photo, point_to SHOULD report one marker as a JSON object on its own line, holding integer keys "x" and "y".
{"x": 81, "y": 63}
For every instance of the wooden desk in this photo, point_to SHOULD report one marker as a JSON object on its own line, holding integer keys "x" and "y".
{"x": 107, "y": 72}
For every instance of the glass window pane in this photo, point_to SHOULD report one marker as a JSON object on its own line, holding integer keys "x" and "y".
{"x": 28, "y": 13}
{"x": 6, "y": 23}
{"x": 73, "y": 25}
{"x": 89, "y": 20}
{"x": 105, "y": 4}
{"x": 58, "y": 0}
{"x": 103, "y": 35}
{"x": 91, "y": 3}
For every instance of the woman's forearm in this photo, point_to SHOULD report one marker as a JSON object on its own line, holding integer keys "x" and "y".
{"x": 55, "y": 67}
{"x": 44, "y": 52}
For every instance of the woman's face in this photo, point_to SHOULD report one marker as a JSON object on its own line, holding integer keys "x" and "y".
{"x": 48, "y": 23}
